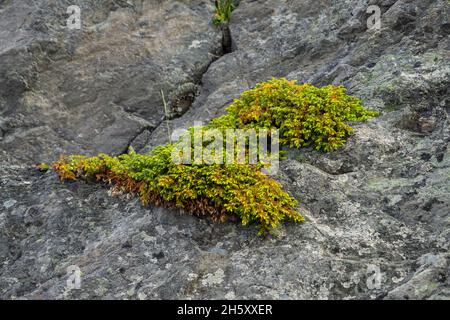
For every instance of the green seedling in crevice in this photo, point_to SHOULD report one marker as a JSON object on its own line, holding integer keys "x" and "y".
{"x": 222, "y": 11}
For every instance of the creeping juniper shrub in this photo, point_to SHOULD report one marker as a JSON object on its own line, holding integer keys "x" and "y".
{"x": 219, "y": 191}
{"x": 305, "y": 115}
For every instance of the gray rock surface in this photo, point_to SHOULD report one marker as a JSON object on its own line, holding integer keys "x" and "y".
{"x": 378, "y": 210}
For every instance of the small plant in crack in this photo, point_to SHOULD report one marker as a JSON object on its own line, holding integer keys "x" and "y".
{"x": 222, "y": 11}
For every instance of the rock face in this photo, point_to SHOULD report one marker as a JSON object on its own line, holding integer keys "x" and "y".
{"x": 378, "y": 210}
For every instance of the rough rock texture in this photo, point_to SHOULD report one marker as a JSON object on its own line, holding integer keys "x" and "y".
{"x": 381, "y": 203}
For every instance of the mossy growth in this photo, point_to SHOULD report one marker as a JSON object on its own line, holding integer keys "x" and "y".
{"x": 305, "y": 115}
{"x": 43, "y": 167}
{"x": 219, "y": 191}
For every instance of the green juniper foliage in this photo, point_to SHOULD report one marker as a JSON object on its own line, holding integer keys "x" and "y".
{"x": 219, "y": 191}
{"x": 305, "y": 115}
